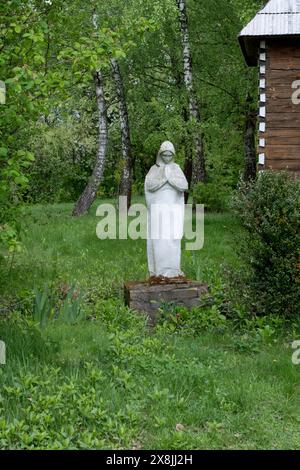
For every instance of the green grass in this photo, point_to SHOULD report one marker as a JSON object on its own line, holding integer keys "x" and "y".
{"x": 59, "y": 247}
{"x": 111, "y": 383}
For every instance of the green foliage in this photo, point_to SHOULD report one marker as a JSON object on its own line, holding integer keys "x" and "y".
{"x": 71, "y": 309}
{"x": 110, "y": 382}
{"x": 214, "y": 196}
{"x": 47, "y": 65}
{"x": 81, "y": 386}
{"x": 42, "y": 308}
{"x": 269, "y": 212}
{"x": 192, "y": 321}
{"x": 13, "y": 181}
{"x": 64, "y": 155}
{"x": 50, "y": 306}
{"x": 41, "y": 72}
{"x": 21, "y": 62}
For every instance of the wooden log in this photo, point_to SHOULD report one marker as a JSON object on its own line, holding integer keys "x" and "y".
{"x": 281, "y": 133}
{"x": 277, "y": 92}
{"x": 284, "y": 164}
{"x": 283, "y": 63}
{"x": 282, "y": 106}
{"x": 282, "y": 141}
{"x": 285, "y": 76}
{"x": 291, "y": 152}
{"x": 283, "y": 120}
{"x": 147, "y": 299}
{"x": 289, "y": 51}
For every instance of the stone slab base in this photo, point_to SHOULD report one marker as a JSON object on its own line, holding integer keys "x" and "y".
{"x": 146, "y": 298}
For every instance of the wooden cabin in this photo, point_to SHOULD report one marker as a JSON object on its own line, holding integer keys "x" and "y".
{"x": 271, "y": 41}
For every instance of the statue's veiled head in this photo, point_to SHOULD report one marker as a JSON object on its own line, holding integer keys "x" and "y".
{"x": 166, "y": 153}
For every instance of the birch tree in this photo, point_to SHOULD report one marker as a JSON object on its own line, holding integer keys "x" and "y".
{"x": 90, "y": 192}
{"x": 199, "y": 172}
{"x": 126, "y": 177}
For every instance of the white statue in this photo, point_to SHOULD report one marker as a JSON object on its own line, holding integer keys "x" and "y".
{"x": 164, "y": 189}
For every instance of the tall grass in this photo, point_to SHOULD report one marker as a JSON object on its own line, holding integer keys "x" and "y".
{"x": 107, "y": 381}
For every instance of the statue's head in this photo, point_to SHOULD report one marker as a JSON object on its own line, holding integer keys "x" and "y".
{"x": 166, "y": 153}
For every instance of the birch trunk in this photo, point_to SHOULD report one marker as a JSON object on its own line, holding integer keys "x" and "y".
{"x": 188, "y": 161}
{"x": 199, "y": 172}
{"x": 126, "y": 177}
{"x": 188, "y": 170}
{"x": 90, "y": 192}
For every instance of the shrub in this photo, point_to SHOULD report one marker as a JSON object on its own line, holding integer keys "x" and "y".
{"x": 214, "y": 196}
{"x": 64, "y": 158}
{"x": 269, "y": 211}
{"x": 12, "y": 184}
{"x": 192, "y": 322}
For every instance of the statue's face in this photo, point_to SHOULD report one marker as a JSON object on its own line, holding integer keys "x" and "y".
{"x": 167, "y": 156}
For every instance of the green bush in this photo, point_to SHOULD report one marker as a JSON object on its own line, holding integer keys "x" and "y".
{"x": 192, "y": 322}
{"x": 63, "y": 163}
{"x": 213, "y": 195}
{"x": 13, "y": 182}
{"x": 269, "y": 211}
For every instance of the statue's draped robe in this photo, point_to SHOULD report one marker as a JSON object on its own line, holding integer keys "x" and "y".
{"x": 164, "y": 189}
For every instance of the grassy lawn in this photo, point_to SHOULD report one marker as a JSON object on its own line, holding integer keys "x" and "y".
{"x": 59, "y": 247}
{"x": 111, "y": 383}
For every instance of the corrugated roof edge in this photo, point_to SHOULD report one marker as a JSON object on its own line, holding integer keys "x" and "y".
{"x": 249, "y": 38}
{"x": 251, "y": 57}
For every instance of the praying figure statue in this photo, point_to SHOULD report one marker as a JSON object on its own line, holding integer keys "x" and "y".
{"x": 165, "y": 185}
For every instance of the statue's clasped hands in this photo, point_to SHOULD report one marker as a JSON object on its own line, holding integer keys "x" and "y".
{"x": 165, "y": 173}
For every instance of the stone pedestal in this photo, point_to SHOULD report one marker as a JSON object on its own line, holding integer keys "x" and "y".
{"x": 146, "y": 298}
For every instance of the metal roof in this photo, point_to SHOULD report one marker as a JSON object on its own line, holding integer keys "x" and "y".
{"x": 277, "y": 18}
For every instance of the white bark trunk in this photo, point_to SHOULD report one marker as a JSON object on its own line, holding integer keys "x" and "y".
{"x": 199, "y": 173}
{"x": 126, "y": 177}
{"x": 90, "y": 192}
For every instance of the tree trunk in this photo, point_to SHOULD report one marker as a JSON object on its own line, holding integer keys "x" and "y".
{"x": 250, "y": 150}
{"x": 188, "y": 170}
{"x": 199, "y": 172}
{"x": 90, "y": 192}
{"x": 188, "y": 161}
{"x": 126, "y": 177}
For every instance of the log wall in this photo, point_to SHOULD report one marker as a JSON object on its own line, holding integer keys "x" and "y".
{"x": 280, "y": 142}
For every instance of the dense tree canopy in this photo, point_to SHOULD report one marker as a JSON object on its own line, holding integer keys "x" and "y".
{"x": 50, "y": 50}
